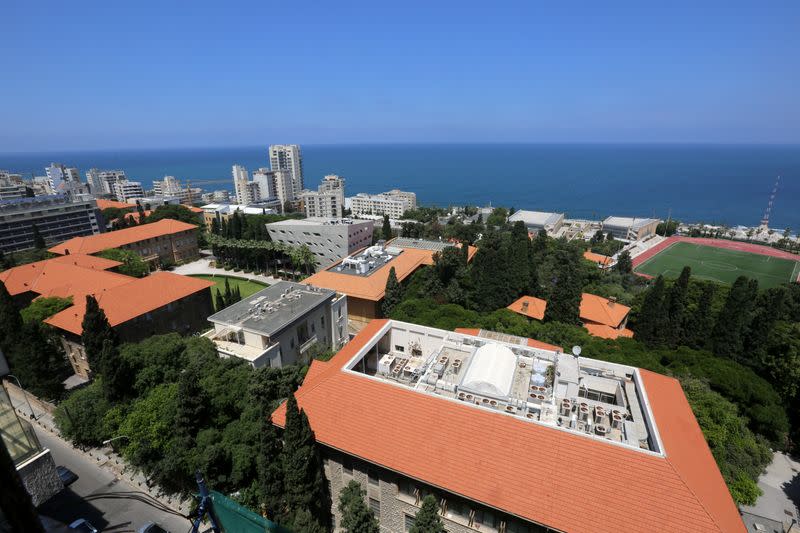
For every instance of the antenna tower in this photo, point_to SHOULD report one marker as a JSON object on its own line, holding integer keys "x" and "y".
{"x": 765, "y": 219}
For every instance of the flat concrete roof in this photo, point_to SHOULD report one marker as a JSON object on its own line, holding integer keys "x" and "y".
{"x": 421, "y": 244}
{"x": 535, "y": 218}
{"x": 270, "y": 310}
{"x": 628, "y": 222}
{"x": 318, "y": 221}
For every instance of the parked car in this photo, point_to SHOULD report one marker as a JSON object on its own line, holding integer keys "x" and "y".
{"x": 152, "y": 527}
{"x": 83, "y": 526}
{"x": 68, "y": 477}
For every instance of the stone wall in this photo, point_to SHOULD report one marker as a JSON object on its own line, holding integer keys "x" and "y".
{"x": 40, "y": 477}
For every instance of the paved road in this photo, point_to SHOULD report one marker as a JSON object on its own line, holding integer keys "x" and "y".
{"x": 203, "y": 266}
{"x": 781, "y": 486}
{"x": 110, "y": 504}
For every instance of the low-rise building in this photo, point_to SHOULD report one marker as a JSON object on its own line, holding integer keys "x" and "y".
{"x": 164, "y": 241}
{"x": 56, "y": 217}
{"x": 602, "y": 317}
{"x": 33, "y": 463}
{"x": 127, "y": 190}
{"x": 362, "y": 276}
{"x": 538, "y": 220}
{"x": 630, "y": 228}
{"x": 224, "y": 211}
{"x": 136, "y": 308}
{"x": 328, "y": 239}
{"x": 509, "y": 438}
{"x": 279, "y": 325}
{"x": 327, "y": 201}
{"x": 393, "y": 203}
{"x": 13, "y": 186}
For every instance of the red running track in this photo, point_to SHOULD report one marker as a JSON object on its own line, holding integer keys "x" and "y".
{"x": 716, "y": 243}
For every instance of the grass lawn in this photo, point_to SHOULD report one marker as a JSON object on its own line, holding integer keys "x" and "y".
{"x": 720, "y": 265}
{"x": 246, "y": 287}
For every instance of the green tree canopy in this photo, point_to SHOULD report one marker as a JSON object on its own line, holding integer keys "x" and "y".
{"x": 43, "y": 308}
{"x": 356, "y": 516}
{"x": 427, "y": 519}
{"x": 393, "y": 293}
{"x": 132, "y": 263}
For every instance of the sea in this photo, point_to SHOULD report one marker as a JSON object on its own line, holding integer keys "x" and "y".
{"x": 718, "y": 184}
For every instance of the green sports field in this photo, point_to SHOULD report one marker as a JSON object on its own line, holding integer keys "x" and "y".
{"x": 720, "y": 265}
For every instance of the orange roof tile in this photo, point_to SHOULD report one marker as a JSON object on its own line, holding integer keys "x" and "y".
{"x": 534, "y": 309}
{"x": 602, "y": 260}
{"x": 565, "y": 481}
{"x": 105, "y": 204}
{"x": 130, "y": 300}
{"x": 60, "y": 275}
{"x": 533, "y": 343}
{"x": 372, "y": 287}
{"x": 115, "y": 239}
{"x": 194, "y": 209}
{"x": 602, "y": 311}
{"x": 135, "y": 215}
{"x": 606, "y": 332}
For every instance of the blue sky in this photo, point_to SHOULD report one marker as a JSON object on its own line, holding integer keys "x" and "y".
{"x": 83, "y": 75}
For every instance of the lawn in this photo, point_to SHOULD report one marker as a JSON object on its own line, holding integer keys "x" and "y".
{"x": 720, "y": 265}
{"x": 246, "y": 287}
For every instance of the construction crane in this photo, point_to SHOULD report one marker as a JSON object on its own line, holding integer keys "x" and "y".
{"x": 765, "y": 219}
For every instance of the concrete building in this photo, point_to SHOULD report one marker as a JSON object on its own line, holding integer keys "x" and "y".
{"x": 538, "y": 220}
{"x": 328, "y": 239}
{"x": 224, "y": 211}
{"x": 127, "y": 190}
{"x": 101, "y": 182}
{"x": 171, "y": 187}
{"x": 57, "y": 217}
{"x": 284, "y": 190}
{"x": 362, "y": 276}
{"x": 240, "y": 180}
{"x": 165, "y": 241}
{"x": 265, "y": 179}
{"x": 33, "y": 463}
{"x": 630, "y": 229}
{"x": 288, "y": 157}
{"x": 393, "y": 203}
{"x": 279, "y": 325}
{"x": 508, "y": 437}
{"x": 59, "y": 174}
{"x": 12, "y": 186}
{"x": 327, "y": 201}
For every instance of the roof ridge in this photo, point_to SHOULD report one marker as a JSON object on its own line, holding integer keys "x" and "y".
{"x": 696, "y": 498}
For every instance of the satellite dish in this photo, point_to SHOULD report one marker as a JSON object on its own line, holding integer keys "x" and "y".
{"x": 576, "y": 351}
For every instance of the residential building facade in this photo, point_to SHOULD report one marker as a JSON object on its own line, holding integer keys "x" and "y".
{"x": 509, "y": 437}
{"x": 393, "y": 203}
{"x": 630, "y": 228}
{"x": 327, "y": 201}
{"x": 102, "y": 181}
{"x": 264, "y": 178}
{"x": 166, "y": 241}
{"x": 288, "y": 157}
{"x": 127, "y": 190}
{"x": 56, "y": 217}
{"x": 328, "y": 239}
{"x": 12, "y": 186}
{"x": 280, "y": 325}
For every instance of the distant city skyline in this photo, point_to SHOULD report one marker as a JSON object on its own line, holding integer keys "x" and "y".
{"x": 154, "y": 75}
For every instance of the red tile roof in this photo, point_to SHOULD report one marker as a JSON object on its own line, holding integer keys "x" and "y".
{"x": 105, "y": 204}
{"x": 56, "y": 276}
{"x": 535, "y": 307}
{"x": 115, "y": 239}
{"x": 602, "y": 260}
{"x": 565, "y": 481}
{"x": 607, "y": 332}
{"x": 602, "y": 310}
{"x": 127, "y": 301}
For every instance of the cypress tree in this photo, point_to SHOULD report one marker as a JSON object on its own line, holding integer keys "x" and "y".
{"x": 464, "y": 253}
{"x": 191, "y": 411}
{"x": 733, "y": 321}
{"x": 219, "y": 301}
{"x": 519, "y": 259}
{"x": 490, "y": 277}
{"x": 769, "y": 309}
{"x": 38, "y": 240}
{"x": 356, "y": 516}
{"x": 427, "y": 519}
{"x": 270, "y": 468}
{"x": 305, "y": 486}
{"x": 393, "y": 294}
{"x": 565, "y": 300}
{"x": 624, "y": 263}
{"x": 228, "y": 293}
{"x": 701, "y": 321}
{"x": 387, "y": 228}
{"x": 652, "y": 320}
{"x": 237, "y": 294}
{"x": 118, "y": 376}
{"x": 38, "y": 363}
{"x": 96, "y": 330}
{"x": 10, "y": 319}
{"x": 540, "y": 245}
{"x": 676, "y": 307}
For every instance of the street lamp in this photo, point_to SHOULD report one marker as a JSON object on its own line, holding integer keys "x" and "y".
{"x": 107, "y": 442}
{"x": 24, "y": 395}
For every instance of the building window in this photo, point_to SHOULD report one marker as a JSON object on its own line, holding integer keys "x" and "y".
{"x": 372, "y": 478}
{"x": 375, "y": 507}
{"x": 399, "y": 348}
{"x": 408, "y": 522}
{"x": 347, "y": 468}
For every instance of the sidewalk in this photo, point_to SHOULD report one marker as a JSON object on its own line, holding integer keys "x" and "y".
{"x": 104, "y": 457}
{"x": 202, "y": 266}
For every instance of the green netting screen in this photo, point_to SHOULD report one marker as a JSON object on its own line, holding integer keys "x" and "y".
{"x": 233, "y": 518}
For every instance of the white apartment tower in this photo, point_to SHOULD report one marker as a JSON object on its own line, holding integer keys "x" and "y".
{"x": 126, "y": 190}
{"x": 265, "y": 179}
{"x": 288, "y": 157}
{"x": 327, "y": 201}
{"x": 243, "y": 191}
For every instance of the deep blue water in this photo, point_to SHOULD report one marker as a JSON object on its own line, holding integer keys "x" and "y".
{"x": 710, "y": 183}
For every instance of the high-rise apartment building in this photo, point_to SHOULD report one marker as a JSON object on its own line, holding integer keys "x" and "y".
{"x": 327, "y": 201}
{"x": 288, "y": 157}
{"x": 102, "y": 181}
{"x": 126, "y": 190}
{"x": 283, "y": 187}
{"x": 243, "y": 191}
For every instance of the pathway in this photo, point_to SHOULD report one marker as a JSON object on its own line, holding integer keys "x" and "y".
{"x": 203, "y": 266}
{"x": 780, "y": 483}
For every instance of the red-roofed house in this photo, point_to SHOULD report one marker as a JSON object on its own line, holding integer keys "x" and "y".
{"x": 136, "y": 308}
{"x": 167, "y": 241}
{"x": 509, "y": 438}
